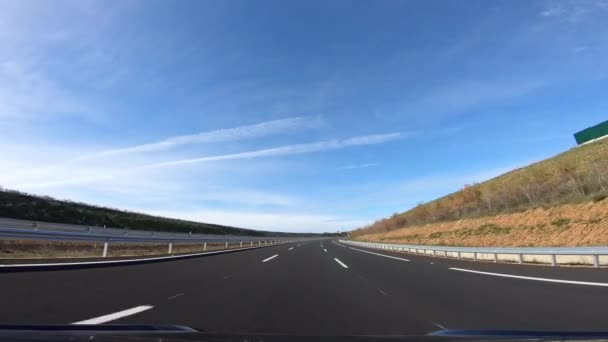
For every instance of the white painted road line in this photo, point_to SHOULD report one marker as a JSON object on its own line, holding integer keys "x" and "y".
{"x": 439, "y": 325}
{"x": 341, "y": 263}
{"x": 272, "y": 257}
{"x": 574, "y": 282}
{"x": 177, "y": 295}
{"x": 378, "y": 254}
{"x": 290, "y": 248}
{"x": 116, "y": 315}
{"x": 325, "y": 250}
{"x": 338, "y": 244}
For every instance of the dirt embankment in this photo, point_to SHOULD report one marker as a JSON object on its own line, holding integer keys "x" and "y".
{"x": 567, "y": 225}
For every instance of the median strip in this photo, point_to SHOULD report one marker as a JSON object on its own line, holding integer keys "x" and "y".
{"x": 340, "y": 262}
{"x": 272, "y": 257}
{"x": 574, "y": 282}
{"x": 116, "y": 315}
{"x": 64, "y": 265}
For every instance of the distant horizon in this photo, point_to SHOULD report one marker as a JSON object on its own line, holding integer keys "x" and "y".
{"x": 143, "y": 213}
{"x": 292, "y": 116}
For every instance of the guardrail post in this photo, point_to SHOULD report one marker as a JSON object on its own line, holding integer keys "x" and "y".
{"x": 596, "y": 261}
{"x": 495, "y": 257}
{"x": 105, "y": 249}
{"x": 170, "y": 248}
{"x": 204, "y": 247}
{"x": 226, "y": 245}
{"x": 553, "y": 260}
{"x": 474, "y": 255}
{"x": 520, "y": 258}
{"x": 241, "y": 244}
{"x": 251, "y": 244}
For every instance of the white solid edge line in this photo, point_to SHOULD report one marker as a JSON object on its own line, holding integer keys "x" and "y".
{"x": 341, "y": 263}
{"x": 338, "y": 244}
{"x": 439, "y": 325}
{"x": 272, "y": 257}
{"x": 378, "y": 254}
{"x": 116, "y": 315}
{"x": 129, "y": 260}
{"x": 531, "y": 278}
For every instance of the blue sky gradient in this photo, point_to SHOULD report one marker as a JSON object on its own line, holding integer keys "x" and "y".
{"x": 291, "y": 116}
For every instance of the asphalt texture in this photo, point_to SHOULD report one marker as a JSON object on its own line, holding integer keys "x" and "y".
{"x": 313, "y": 288}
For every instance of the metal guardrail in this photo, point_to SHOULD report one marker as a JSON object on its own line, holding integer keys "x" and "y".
{"x": 20, "y": 229}
{"x": 555, "y": 256}
{"x": 11, "y": 229}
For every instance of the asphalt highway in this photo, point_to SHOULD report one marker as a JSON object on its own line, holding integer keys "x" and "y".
{"x": 313, "y": 288}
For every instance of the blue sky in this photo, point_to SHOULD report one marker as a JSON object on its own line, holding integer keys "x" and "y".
{"x": 290, "y": 115}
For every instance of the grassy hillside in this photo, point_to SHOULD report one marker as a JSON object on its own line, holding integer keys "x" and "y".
{"x": 575, "y": 176}
{"x": 582, "y": 224}
{"x": 18, "y": 205}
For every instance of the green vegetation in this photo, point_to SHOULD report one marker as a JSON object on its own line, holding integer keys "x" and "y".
{"x": 560, "y": 222}
{"x": 14, "y": 204}
{"x": 578, "y": 175}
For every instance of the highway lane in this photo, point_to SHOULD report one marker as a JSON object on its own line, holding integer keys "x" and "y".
{"x": 72, "y": 295}
{"x": 461, "y": 300}
{"x": 311, "y": 288}
{"x": 303, "y": 291}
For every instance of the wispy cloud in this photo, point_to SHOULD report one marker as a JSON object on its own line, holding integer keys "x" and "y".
{"x": 467, "y": 95}
{"x": 253, "y": 198}
{"x": 26, "y": 94}
{"x": 258, "y": 130}
{"x": 83, "y": 175}
{"x": 319, "y": 146}
{"x": 357, "y": 166}
{"x": 553, "y": 11}
{"x": 574, "y": 11}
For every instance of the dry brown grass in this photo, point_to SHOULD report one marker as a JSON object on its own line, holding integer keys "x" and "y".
{"x": 33, "y": 249}
{"x": 584, "y": 224}
{"x": 575, "y": 176}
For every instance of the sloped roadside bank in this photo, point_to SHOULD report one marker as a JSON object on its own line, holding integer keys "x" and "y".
{"x": 584, "y": 224}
